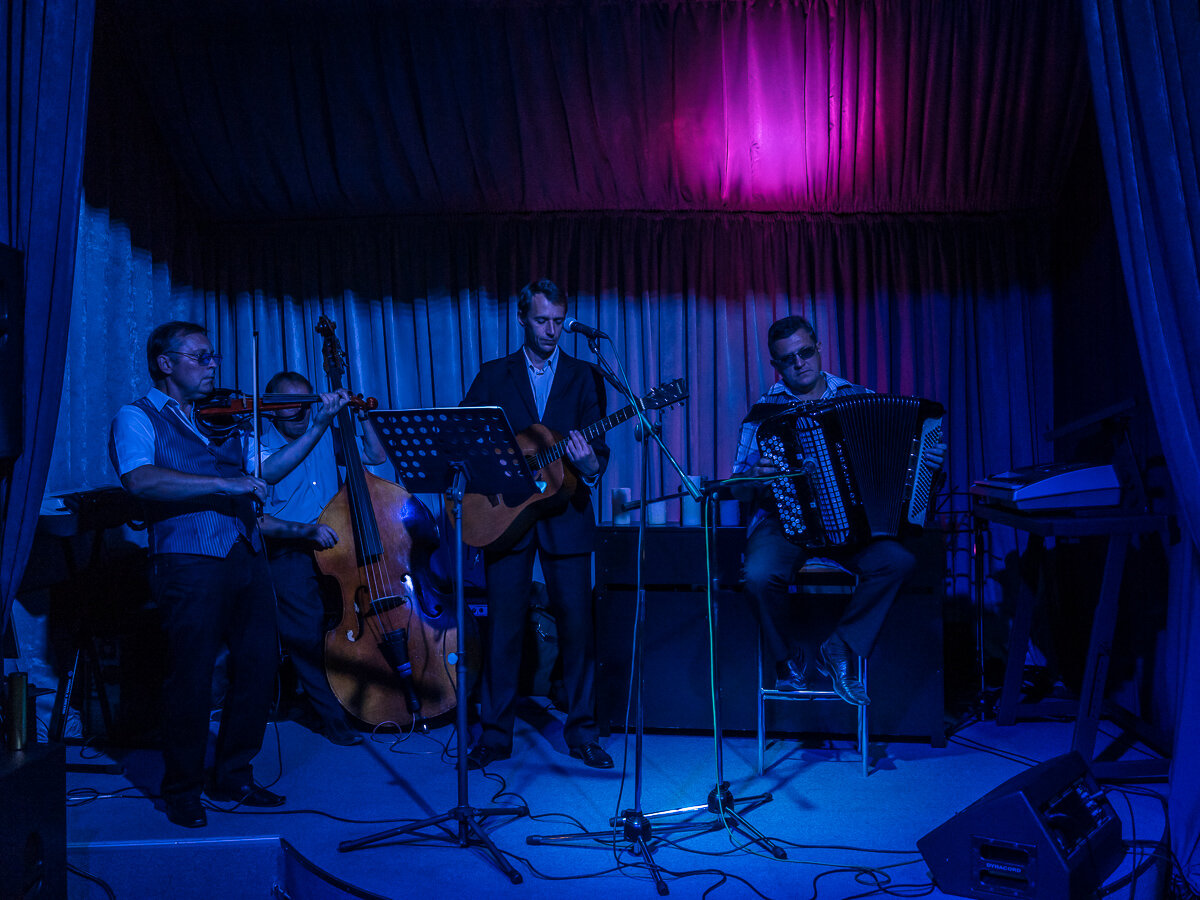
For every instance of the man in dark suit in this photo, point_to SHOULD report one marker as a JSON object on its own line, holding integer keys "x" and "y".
{"x": 541, "y": 384}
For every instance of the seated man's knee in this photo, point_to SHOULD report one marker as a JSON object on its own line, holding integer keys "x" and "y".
{"x": 891, "y": 560}
{"x": 762, "y": 577}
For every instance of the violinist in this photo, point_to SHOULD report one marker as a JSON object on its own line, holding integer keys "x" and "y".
{"x": 299, "y": 457}
{"x": 209, "y": 574}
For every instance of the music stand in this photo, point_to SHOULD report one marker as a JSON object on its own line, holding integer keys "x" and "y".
{"x": 448, "y": 449}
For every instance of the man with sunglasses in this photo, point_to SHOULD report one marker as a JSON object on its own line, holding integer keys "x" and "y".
{"x": 882, "y": 565}
{"x": 301, "y": 464}
{"x": 209, "y": 575}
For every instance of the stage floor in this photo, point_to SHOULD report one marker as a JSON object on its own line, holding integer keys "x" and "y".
{"x": 844, "y": 835}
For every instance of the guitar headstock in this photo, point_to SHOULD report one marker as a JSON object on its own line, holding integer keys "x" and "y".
{"x": 666, "y": 394}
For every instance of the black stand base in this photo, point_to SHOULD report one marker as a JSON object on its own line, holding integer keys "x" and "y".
{"x": 637, "y": 828}
{"x": 721, "y": 803}
{"x": 469, "y": 832}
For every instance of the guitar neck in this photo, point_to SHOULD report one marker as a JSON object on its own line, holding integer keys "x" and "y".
{"x": 597, "y": 428}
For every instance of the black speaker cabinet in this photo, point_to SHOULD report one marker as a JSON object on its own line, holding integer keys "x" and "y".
{"x": 33, "y": 829}
{"x": 12, "y": 339}
{"x": 906, "y": 671}
{"x": 1048, "y": 833}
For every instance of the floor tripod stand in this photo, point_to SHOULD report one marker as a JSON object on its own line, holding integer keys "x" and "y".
{"x": 431, "y": 447}
{"x": 720, "y": 802}
{"x": 633, "y": 825}
{"x": 639, "y": 828}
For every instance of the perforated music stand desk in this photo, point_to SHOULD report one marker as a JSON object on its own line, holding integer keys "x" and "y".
{"x": 1119, "y": 526}
{"x": 447, "y": 451}
{"x": 426, "y": 445}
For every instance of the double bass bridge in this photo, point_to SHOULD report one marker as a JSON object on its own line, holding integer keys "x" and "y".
{"x": 369, "y": 606}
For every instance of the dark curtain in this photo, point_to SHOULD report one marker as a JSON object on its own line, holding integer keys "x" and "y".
{"x": 1145, "y": 62}
{"x": 688, "y": 171}
{"x": 47, "y": 57}
{"x": 291, "y": 110}
{"x": 956, "y": 310}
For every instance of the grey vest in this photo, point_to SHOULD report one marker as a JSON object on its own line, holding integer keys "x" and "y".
{"x": 209, "y": 526}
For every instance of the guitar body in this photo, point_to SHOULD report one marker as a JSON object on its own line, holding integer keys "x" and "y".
{"x": 496, "y": 523}
{"x": 488, "y": 521}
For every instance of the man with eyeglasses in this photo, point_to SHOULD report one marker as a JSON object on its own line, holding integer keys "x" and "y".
{"x": 301, "y": 488}
{"x": 882, "y": 565}
{"x": 209, "y": 574}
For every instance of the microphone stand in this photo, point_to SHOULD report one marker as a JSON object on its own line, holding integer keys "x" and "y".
{"x": 720, "y": 802}
{"x": 636, "y": 826}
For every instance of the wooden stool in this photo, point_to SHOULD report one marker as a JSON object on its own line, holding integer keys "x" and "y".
{"x": 815, "y": 578}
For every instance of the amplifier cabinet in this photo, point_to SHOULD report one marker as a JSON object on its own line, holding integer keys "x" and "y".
{"x": 905, "y": 674}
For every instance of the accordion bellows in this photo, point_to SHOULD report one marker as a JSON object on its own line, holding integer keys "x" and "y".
{"x": 856, "y": 467}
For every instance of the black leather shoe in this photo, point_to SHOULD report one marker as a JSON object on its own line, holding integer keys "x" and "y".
{"x": 795, "y": 675}
{"x": 481, "y": 756}
{"x": 245, "y": 795}
{"x": 342, "y": 736}
{"x": 593, "y": 755}
{"x": 186, "y": 811}
{"x": 834, "y": 662}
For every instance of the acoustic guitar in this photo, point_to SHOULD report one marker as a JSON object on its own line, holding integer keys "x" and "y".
{"x": 496, "y": 521}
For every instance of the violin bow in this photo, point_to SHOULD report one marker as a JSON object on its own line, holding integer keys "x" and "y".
{"x": 254, "y": 396}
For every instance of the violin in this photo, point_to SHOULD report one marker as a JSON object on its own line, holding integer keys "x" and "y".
{"x": 227, "y": 409}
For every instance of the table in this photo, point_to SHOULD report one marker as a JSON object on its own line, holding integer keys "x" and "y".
{"x": 1119, "y": 527}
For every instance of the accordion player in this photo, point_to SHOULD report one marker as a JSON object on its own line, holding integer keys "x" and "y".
{"x": 856, "y": 467}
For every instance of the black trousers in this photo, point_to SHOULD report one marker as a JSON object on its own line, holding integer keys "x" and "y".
{"x": 882, "y": 567}
{"x": 208, "y": 603}
{"x": 301, "y": 612}
{"x": 569, "y": 587}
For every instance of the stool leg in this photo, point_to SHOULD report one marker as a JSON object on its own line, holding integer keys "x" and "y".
{"x": 864, "y": 737}
{"x": 762, "y": 708}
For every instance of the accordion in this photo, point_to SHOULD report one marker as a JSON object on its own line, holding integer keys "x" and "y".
{"x": 857, "y": 465}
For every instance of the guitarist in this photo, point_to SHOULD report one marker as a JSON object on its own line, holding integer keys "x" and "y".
{"x": 541, "y": 384}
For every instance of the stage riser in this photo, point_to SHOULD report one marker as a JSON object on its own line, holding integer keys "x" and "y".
{"x": 226, "y": 868}
{"x": 233, "y": 868}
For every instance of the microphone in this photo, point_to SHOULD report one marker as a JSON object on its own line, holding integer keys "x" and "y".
{"x": 394, "y": 647}
{"x": 570, "y": 323}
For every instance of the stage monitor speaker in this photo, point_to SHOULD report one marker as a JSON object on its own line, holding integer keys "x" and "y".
{"x": 12, "y": 339}
{"x": 1048, "y": 833}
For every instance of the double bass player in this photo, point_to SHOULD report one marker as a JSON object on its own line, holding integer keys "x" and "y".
{"x": 300, "y": 490}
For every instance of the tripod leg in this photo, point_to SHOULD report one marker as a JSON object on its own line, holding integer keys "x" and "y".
{"x": 644, "y": 850}
{"x": 62, "y": 698}
{"x": 97, "y": 678}
{"x": 480, "y": 835}
{"x": 413, "y": 829}
{"x": 740, "y": 824}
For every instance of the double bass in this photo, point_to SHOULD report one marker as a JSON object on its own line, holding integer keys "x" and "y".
{"x": 390, "y": 658}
